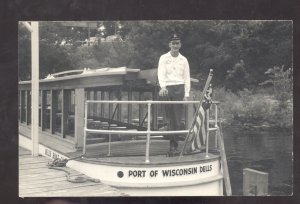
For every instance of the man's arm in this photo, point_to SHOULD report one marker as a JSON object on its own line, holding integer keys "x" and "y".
{"x": 161, "y": 71}
{"x": 187, "y": 80}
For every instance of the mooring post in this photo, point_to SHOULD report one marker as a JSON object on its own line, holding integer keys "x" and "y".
{"x": 255, "y": 183}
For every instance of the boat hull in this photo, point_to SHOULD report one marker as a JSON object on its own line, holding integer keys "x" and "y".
{"x": 213, "y": 188}
{"x": 179, "y": 177}
{"x": 201, "y": 178}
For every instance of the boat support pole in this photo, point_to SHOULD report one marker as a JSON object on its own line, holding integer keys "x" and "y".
{"x": 148, "y": 134}
{"x": 85, "y": 127}
{"x": 34, "y": 29}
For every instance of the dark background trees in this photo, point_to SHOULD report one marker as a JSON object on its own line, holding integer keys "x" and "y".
{"x": 221, "y": 45}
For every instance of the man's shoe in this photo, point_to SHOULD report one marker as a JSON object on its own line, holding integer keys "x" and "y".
{"x": 173, "y": 153}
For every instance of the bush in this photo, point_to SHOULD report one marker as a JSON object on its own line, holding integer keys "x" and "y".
{"x": 281, "y": 82}
{"x": 252, "y": 108}
{"x": 229, "y": 104}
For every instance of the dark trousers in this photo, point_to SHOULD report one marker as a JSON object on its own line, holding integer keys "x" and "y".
{"x": 174, "y": 112}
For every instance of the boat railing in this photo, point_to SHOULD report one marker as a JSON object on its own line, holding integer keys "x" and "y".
{"x": 148, "y": 132}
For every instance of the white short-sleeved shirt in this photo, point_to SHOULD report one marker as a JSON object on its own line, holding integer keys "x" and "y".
{"x": 174, "y": 71}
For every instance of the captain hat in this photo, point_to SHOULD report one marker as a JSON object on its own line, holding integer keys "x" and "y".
{"x": 174, "y": 37}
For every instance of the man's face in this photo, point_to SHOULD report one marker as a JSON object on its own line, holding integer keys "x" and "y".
{"x": 175, "y": 45}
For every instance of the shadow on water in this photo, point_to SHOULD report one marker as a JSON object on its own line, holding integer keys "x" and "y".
{"x": 262, "y": 150}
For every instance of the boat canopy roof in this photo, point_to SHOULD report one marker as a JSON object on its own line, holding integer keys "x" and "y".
{"x": 85, "y": 78}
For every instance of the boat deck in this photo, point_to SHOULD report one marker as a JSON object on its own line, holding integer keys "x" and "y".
{"x": 37, "y": 180}
{"x": 155, "y": 160}
{"x": 134, "y": 150}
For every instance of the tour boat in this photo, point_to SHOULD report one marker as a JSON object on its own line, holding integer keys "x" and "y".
{"x": 110, "y": 125}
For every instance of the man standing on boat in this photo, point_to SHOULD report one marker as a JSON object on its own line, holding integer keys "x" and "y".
{"x": 174, "y": 81}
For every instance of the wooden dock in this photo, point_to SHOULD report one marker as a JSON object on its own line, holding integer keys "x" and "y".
{"x": 37, "y": 180}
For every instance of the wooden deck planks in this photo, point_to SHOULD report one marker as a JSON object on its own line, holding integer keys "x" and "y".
{"x": 26, "y": 166}
{"x": 41, "y": 182}
{"x": 78, "y": 192}
{"x": 37, "y": 180}
{"x": 23, "y": 151}
{"x": 57, "y": 187}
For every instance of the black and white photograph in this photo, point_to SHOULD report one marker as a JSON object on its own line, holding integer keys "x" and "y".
{"x": 155, "y": 108}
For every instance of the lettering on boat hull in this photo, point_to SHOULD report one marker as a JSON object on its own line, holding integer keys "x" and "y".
{"x": 166, "y": 172}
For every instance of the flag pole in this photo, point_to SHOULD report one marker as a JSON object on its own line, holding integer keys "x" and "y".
{"x": 197, "y": 110}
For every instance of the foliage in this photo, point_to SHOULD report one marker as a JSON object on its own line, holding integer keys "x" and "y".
{"x": 237, "y": 77}
{"x": 220, "y": 45}
{"x": 114, "y": 54}
{"x": 282, "y": 82}
{"x": 253, "y": 108}
{"x": 24, "y": 54}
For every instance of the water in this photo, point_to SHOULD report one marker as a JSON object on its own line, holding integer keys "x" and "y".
{"x": 267, "y": 151}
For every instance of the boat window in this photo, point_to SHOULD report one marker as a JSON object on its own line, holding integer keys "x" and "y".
{"x": 90, "y": 95}
{"x": 69, "y": 113}
{"x": 57, "y": 114}
{"x": 23, "y": 107}
{"x": 72, "y": 100}
{"x": 124, "y": 108}
{"x": 46, "y": 115}
{"x": 98, "y": 105}
{"x": 115, "y": 109}
{"x": 105, "y": 106}
{"x": 102, "y": 106}
{"x": 135, "y": 108}
{"x": 28, "y": 107}
{"x": 147, "y": 97}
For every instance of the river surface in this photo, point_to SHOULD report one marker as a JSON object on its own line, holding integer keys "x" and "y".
{"x": 264, "y": 150}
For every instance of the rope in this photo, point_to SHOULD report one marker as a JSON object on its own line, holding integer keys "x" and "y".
{"x": 59, "y": 164}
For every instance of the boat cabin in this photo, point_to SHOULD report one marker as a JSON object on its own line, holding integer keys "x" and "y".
{"x": 62, "y": 101}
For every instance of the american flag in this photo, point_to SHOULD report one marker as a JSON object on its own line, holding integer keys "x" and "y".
{"x": 198, "y": 130}
{"x": 197, "y": 137}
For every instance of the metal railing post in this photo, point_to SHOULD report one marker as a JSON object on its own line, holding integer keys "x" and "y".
{"x": 109, "y": 141}
{"x": 148, "y": 133}
{"x": 207, "y": 133}
{"x": 85, "y": 127}
{"x": 216, "y": 125}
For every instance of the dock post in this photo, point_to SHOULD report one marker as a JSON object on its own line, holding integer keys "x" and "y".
{"x": 255, "y": 183}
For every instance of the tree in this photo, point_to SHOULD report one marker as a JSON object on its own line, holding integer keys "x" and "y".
{"x": 24, "y": 54}
{"x": 217, "y": 45}
{"x": 237, "y": 78}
